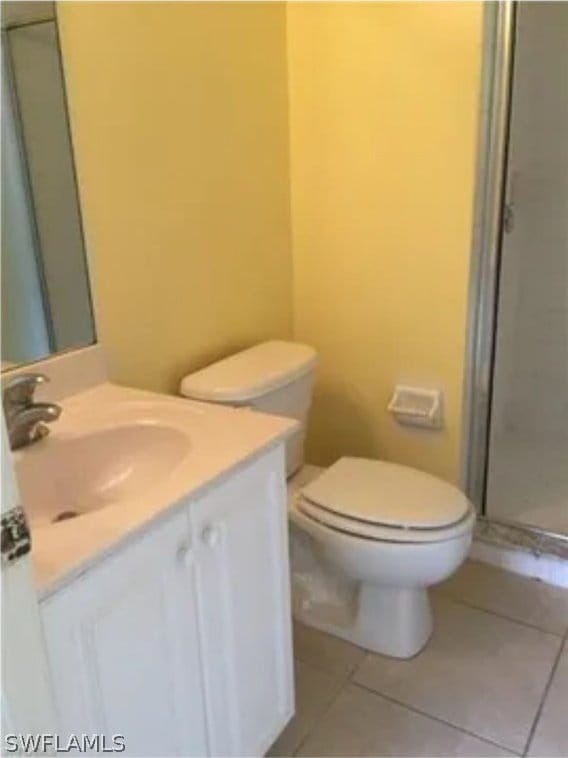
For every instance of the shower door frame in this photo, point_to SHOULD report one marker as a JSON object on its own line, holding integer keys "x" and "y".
{"x": 490, "y": 204}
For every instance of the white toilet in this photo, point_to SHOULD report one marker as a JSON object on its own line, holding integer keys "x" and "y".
{"x": 381, "y": 531}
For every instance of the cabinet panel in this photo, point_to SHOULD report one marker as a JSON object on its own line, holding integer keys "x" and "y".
{"x": 243, "y": 589}
{"x": 124, "y": 648}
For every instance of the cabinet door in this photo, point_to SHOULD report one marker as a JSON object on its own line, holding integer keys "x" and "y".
{"x": 123, "y": 646}
{"x": 241, "y": 533}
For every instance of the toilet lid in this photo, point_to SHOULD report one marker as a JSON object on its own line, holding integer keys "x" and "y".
{"x": 304, "y": 512}
{"x": 386, "y": 494}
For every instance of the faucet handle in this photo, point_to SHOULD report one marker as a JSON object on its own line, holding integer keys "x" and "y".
{"x": 19, "y": 390}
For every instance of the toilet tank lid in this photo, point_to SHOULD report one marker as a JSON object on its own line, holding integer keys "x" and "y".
{"x": 247, "y": 375}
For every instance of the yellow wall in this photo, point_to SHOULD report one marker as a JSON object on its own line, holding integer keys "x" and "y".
{"x": 181, "y": 122}
{"x": 179, "y": 117}
{"x": 383, "y": 102}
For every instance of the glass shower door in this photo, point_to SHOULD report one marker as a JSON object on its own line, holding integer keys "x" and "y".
{"x": 527, "y": 478}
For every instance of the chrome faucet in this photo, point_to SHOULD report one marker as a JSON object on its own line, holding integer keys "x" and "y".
{"x": 26, "y": 420}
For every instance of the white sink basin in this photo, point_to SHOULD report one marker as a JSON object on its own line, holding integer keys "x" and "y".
{"x": 69, "y": 475}
{"x": 120, "y": 457}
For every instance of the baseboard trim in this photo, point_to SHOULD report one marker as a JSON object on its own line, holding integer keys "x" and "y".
{"x": 550, "y": 569}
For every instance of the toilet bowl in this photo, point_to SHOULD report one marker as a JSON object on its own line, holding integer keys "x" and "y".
{"x": 392, "y": 549}
{"x": 382, "y": 531}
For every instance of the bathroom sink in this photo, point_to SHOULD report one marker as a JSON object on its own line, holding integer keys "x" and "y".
{"x": 70, "y": 475}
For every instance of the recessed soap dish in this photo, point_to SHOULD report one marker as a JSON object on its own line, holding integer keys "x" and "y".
{"x": 416, "y": 406}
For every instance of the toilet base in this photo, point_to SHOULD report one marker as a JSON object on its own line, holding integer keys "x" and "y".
{"x": 392, "y": 621}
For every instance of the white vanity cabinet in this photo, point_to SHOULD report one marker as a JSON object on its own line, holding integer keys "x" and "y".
{"x": 244, "y": 610}
{"x": 181, "y": 639}
{"x": 123, "y": 647}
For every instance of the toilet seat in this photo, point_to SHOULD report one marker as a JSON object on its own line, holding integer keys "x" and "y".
{"x": 377, "y": 533}
{"x": 382, "y": 501}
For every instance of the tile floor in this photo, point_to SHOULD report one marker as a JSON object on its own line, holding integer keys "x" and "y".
{"x": 493, "y": 680}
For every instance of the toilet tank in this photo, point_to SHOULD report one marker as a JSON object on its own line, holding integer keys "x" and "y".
{"x": 273, "y": 377}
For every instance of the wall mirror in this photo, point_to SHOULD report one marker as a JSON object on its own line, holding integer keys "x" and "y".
{"x": 46, "y": 299}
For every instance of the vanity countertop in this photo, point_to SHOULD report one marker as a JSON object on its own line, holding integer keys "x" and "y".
{"x": 220, "y": 440}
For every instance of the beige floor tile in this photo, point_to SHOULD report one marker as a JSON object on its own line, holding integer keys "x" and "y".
{"x": 315, "y": 690}
{"x": 479, "y": 672}
{"x": 551, "y": 735}
{"x": 335, "y": 656}
{"x": 518, "y": 597}
{"x": 364, "y": 724}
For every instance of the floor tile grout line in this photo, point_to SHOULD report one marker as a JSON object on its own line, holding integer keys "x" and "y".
{"x": 439, "y": 720}
{"x": 368, "y": 654}
{"x": 325, "y": 670}
{"x": 322, "y": 667}
{"x": 534, "y": 725}
{"x": 349, "y": 678}
{"x": 352, "y": 675}
{"x": 342, "y": 680}
{"x": 320, "y": 717}
{"x": 475, "y": 607}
